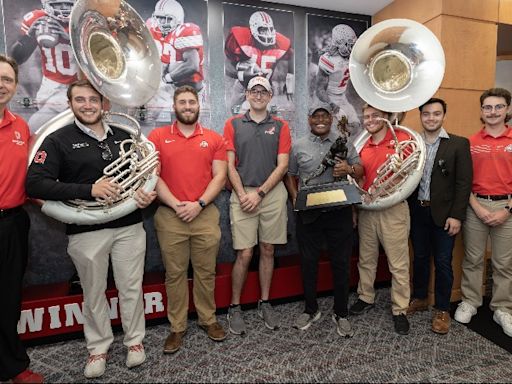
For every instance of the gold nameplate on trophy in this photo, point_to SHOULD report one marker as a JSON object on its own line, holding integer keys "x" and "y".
{"x": 326, "y": 197}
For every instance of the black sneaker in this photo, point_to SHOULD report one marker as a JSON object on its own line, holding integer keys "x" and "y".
{"x": 360, "y": 307}
{"x": 401, "y": 324}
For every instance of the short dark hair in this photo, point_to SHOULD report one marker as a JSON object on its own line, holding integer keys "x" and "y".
{"x": 434, "y": 100}
{"x": 184, "y": 89}
{"x": 9, "y": 60}
{"x": 366, "y": 105}
{"x": 81, "y": 83}
{"x": 496, "y": 92}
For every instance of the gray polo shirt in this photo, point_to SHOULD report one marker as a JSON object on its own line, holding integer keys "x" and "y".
{"x": 256, "y": 146}
{"x": 308, "y": 152}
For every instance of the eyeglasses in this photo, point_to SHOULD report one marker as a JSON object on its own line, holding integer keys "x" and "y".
{"x": 107, "y": 153}
{"x": 262, "y": 93}
{"x": 488, "y": 108}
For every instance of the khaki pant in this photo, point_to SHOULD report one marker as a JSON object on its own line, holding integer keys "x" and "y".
{"x": 180, "y": 242}
{"x": 475, "y": 242}
{"x": 90, "y": 254}
{"x": 390, "y": 227}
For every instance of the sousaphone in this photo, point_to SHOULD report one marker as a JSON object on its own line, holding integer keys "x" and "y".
{"x": 395, "y": 66}
{"x": 117, "y": 54}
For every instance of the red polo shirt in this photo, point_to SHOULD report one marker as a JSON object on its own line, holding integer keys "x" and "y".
{"x": 14, "y": 135}
{"x": 373, "y": 155}
{"x": 492, "y": 162}
{"x": 186, "y": 162}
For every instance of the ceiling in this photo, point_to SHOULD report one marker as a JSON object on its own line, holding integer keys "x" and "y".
{"x": 363, "y": 7}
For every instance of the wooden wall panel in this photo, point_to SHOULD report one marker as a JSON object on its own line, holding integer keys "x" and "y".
{"x": 463, "y": 117}
{"x": 418, "y": 10}
{"x": 472, "y": 9}
{"x": 470, "y": 50}
{"x": 505, "y": 12}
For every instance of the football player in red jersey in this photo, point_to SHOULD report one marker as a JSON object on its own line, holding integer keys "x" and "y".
{"x": 47, "y": 28}
{"x": 256, "y": 50}
{"x": 181, "y": 51}
{"x": 333, "y": 75}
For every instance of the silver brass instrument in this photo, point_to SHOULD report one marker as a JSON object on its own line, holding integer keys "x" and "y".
{"x": 116, "y": 52}
{"x": 395, "y": 66}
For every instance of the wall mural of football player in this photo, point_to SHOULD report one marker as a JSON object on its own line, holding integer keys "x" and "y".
{"x": 332, "y": 85}
{"x": 182, "y": 53}
{"x": 47, "y": 29}
{"x": 256, "y": 47}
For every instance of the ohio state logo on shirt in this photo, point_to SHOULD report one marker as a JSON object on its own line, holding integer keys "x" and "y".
{"x": 508, "y": 148}
{"x": 40, "y": 157}
{"x": 17, "y": 138}
{"x": 203, "y": 144}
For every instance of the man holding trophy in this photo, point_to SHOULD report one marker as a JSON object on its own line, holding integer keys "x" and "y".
{"x": 327, "y": 220}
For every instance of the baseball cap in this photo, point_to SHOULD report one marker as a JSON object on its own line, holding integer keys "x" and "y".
{"x": 259, "y": 80}
{"x": 319, "y": 105}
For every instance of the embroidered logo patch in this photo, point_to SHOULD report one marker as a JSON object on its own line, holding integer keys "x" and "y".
{"x": 80, "y": 145}
{"x": 40, "y": 157}
{"x": 270, "y": 131}
{"x": 203, "y": 144}
{"x": 17, "y": 138}
{"x": 508, "y": 148}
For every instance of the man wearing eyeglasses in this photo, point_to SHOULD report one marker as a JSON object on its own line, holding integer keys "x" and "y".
{"x": 489, "y": 213}
{"x": 438, "y": 208}
{"x": 66, "y": 167}
{"x": 258, "y": 152}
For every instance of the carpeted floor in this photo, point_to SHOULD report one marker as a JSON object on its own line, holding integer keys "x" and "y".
{"x": 374, "y": 354}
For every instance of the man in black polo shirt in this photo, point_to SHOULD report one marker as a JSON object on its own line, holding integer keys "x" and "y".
{"x": 258, "y": 151}
{"x": 66, "y": 167}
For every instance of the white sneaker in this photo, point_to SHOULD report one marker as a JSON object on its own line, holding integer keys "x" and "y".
{"x": 136, "y": 356}
{"x": 464, "y": 312}
{"x": 95, "y": 366}
{"x": 505, "y": 320}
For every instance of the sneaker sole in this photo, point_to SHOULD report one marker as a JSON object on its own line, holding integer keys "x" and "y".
{"x": 310, "y": 323}
{"x": 346, "y": 335}
{"x": 495, "y": 318}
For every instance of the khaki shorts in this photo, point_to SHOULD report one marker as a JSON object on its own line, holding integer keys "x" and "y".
{"x": 268, "y": 224}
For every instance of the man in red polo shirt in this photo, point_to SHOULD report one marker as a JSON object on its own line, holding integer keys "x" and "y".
{"x": 489, "y": 213}
{"x": 389, "y": 226}
{"x": 14, "y": 226}
{"x": 193, "y": 172}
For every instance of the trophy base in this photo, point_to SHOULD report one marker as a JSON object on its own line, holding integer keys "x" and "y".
{"x": 327, "y": 196}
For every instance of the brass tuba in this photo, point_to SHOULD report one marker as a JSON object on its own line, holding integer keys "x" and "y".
{"x": 116, "y": 52}
{"x": 395, "y": 66}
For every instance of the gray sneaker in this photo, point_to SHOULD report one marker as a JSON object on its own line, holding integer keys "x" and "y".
{"x": 268, "y": 315}
{"x": 236, "y": 321}
{"x": 305, "y": 320}
{"x": 343, "y": 327}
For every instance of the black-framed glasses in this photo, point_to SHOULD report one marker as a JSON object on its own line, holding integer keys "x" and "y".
{"x": 107, "y": 153}
{"x": 261, "y": 93}
{"x": 498, "y": 108}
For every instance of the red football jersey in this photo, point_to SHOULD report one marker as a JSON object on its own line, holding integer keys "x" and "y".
{"x": 171, "y": 47}
{"x": 240, "y": 46}
{"x": 58, "y": 63}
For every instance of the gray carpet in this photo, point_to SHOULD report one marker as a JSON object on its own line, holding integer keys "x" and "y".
{"x": 374, "y": 354}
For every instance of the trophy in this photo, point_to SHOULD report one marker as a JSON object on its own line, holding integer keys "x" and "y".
{"x": 336, "y": 194}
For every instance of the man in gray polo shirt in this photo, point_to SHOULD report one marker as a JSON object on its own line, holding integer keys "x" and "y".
{"x": 258, "y": 147}
{"x": 317, "y": 226}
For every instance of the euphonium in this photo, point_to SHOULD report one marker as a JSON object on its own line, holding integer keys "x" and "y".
{"x": 117, "y": 54}
{"x": 396, "y": 66}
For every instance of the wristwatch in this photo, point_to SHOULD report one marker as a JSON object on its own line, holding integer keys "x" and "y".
{"x": 508, "y": 208}
{"x": 201, "y": 203}
{"x": 261, "y": 193}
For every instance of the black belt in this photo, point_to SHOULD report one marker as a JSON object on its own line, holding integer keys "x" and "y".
{"x": 424, "y": 203}
{"x": 9, "y": 212}
{"x": 494, "y": 197}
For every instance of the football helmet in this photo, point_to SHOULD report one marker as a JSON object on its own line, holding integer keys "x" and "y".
{"x": 262, "y": 28}
{"x": 343, "y": 38}
{"x": 58, "y": 9}
{"x": 168, "y": 15}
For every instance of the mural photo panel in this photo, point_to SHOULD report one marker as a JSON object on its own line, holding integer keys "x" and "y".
{"x": 259, "y": 41}
{"x": 330, "y": 42}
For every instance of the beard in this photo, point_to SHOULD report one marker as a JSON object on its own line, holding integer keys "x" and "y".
{"x": 188, "y": 120}
{"x": 90, "y": 120}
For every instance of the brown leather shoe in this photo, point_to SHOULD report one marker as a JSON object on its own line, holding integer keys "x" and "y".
{"x": 417, "y": 305}
{"x": 173, "y": 342}
{"x": 214, "y": 331}
{"x": 441, "y": 322}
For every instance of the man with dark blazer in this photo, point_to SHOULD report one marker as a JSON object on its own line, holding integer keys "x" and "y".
{"x": 438, "y": 208}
